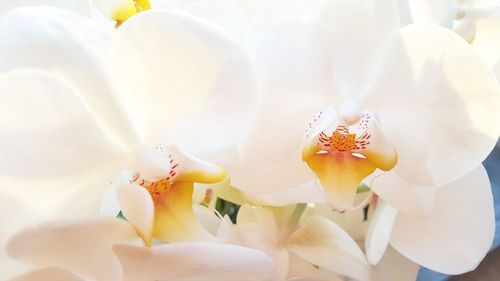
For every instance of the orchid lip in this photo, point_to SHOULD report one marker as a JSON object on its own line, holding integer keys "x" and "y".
{"x": 344, "y": 156}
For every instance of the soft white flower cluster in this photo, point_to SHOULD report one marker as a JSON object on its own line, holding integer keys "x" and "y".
{"x": 349, "y": 133}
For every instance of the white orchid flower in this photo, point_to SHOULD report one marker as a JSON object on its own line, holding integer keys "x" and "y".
{"x": 417, "y": 103}
{"x": 314, "y": 247}
{"x": 106, "y": 249}
{"x": 88, "y": 84}
{"x": 81, "y": 101}
{"x": 78, "y": 6}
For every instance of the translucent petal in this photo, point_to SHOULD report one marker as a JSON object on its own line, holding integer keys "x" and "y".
{"x": 323, "y": 243}
{"x": 74, "y": 47}
{"x": 379, "y": 232}
{"x": 158, "y": 55}
{"x": 83, "y": 246}
{"x": 438, "y": 104}
{"x": 137, "y": 206}
{"x": 458, "y": 233}
{"x": 354, "y": 25}
{"x": 47, "y": 274}
{"x": 292, "y": 61}
{"x": 51, "y": 142}
{"x": 193, "y": 261}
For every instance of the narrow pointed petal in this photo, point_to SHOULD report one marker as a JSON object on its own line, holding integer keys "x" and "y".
{"x": 292, "y": 61}
{"x": 137, "y": 206}
{"x": 323, "y": 243}
{"x": 39, "y": 157}
{"x": 47, "y": 274}
{"x": 452, "y": 95}
{"x": 354, "y": 25}
{"x": 395, "y": 266}
{"x": 83, "y": 246}
{"x": 193, "y": 261}
{"x": 158, "y": 55}
{"x": 379, "y": 232}
{"x": 74, "y": 47}
{"x": 458, "y": 233}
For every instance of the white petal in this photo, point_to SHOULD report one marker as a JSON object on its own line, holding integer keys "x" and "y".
{"x": 208, "y": 218}
{"x": 323, "y": 243}
{"x": 47, "y": 274}
{"x": 395, "y": 266}
{"x": 193, "y": 261}
{"x": 302, "y": 270}
{"x": 51, "y": 143}
{"x": 74, "y": 47}
{"x": 109, "y": 202}
{"x": 458, "y": 233}
{"x": 79, "y": 6}
{"x": 187, "y": 82}
{"x": 25, "y": 216}
{"x": 432, "y": 11}
{"x": 263, "y": 14}
{"x": 225, "y": 14}
{"x": 438, "y": 104}
{"x": 308, "y": 192}
{"x": 379, "y": 232}
{"x": 293, "y": 63}
{"x": 404, "y": 196}
{"x": 354, "y": 25}
{"x": 137, "y": 206}
{"x": 258, "y": 228}
{"x": 83, "y": 246}
{"x": 352, "y": 222}
{"x": 487, "y": 42}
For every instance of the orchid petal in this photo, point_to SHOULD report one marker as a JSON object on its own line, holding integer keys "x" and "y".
{"x": 323, "y": 243}
{"x": 302, "y": 270}
{"x": 79, "y": 6}
{"x": 458, "y": 233}
{"x": 292, "y": 62}
{"x": 309, "y": 192}
{"x": 224, "y": 14}
{"x": 354, "y": 25}
{"x": 83, "y": 246}
{"x": 404, "y": 196}
{"x": 432, "y": 11}
{"x": 47, "y": 274}
{"x": 486, "y": 43}
{"x": 208, "y": 218}
{"x": 379, "y": 232}
{"x": 74, "y": 47}
{"x": 193, "y": 261}
{"x": 138, "y": 208}
{"x": 40, "y": 111}
{"x": 257, "y": 228}
{"x": 264, "y": 14}
{"x": 432, "y": 84}
{"x": 395, "y": 266}
{"x": 158, "y": 55}
{"x": 353, "y": 222}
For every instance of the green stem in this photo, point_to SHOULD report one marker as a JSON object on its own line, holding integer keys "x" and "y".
{"x": 297, "y": 214}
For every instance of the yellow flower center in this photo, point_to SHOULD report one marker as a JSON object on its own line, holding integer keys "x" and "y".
{"x": 128, "y": 9}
